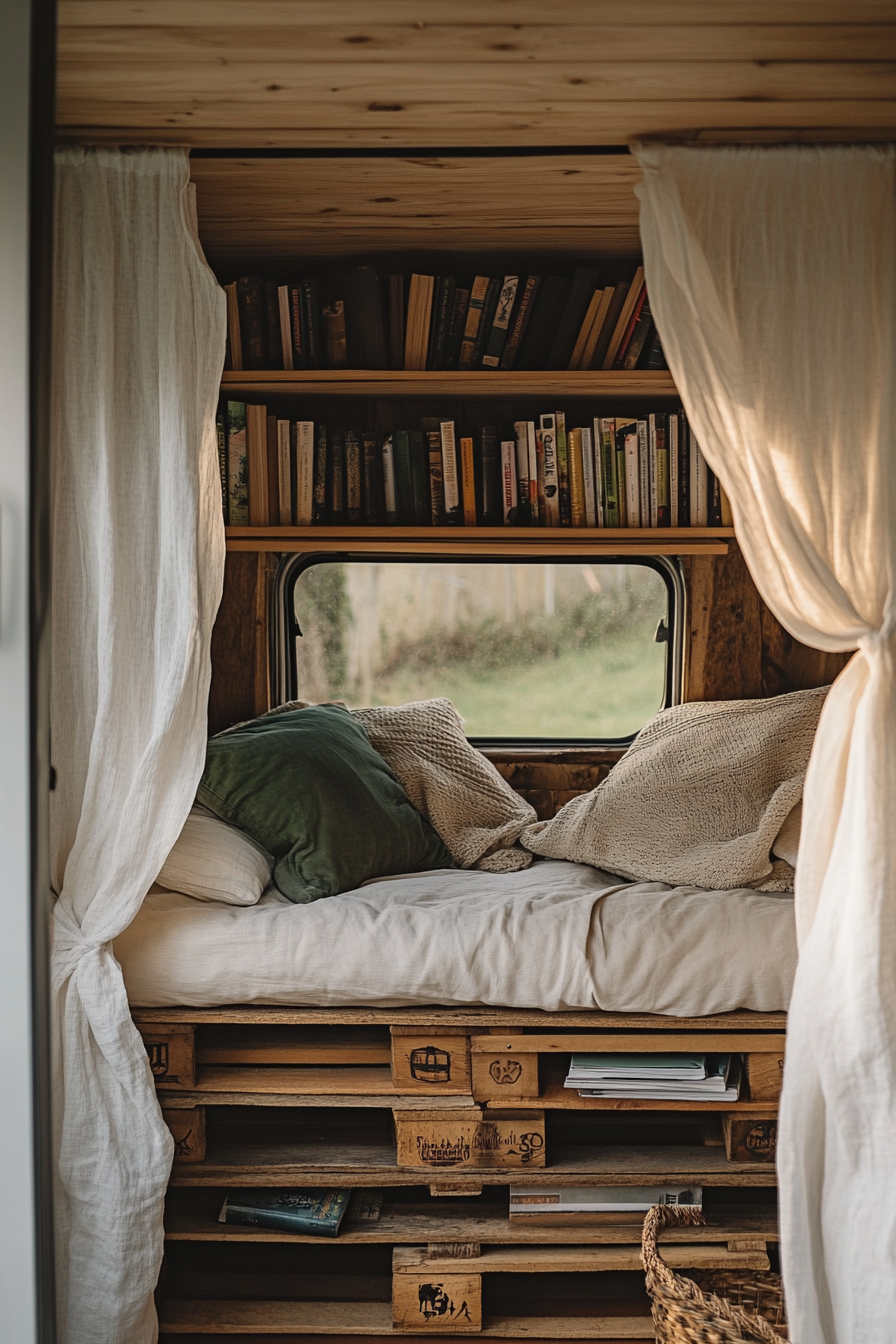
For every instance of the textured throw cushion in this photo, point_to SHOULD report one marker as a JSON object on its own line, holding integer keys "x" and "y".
{"x": 308, "y": 786}
{"x": 215, "y": 862}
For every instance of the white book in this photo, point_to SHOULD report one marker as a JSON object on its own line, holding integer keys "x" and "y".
{"x": 449, "y": 470}
{"x": 699, "y": 484}
{"x": 389, "y": 480}
{"x": 601, "y": 1198}
{"x": 548, "y": 428}
{"x": 600, "y": 485}
{"x": 654, "y": 473}
{"x": 284, "y": 472}
{"x": 588, "y": 474}
{"x": 645, "y": 472}
{"x": 285, "y": 325}
{"x": 508, "y": 480}
{"x": 673, "y": 469}
{"x": 632, "y": 476}
{"x": 521, "y": 430}
{"x": 304, "y": 472}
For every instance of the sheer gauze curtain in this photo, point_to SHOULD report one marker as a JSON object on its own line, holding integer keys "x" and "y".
{"x": 138, "y": 558}
{"x": 772, "y": 275}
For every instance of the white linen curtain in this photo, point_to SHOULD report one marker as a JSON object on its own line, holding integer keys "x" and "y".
{"x": 138, "y": 559}
{"x": 772, "y": 276}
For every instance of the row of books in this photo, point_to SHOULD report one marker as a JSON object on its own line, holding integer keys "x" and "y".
{"x": 558, "y": 1206}
{"x": 367, "y": 321}
{"x": 660, "y": 1077}
{"x": 614, "y": 472}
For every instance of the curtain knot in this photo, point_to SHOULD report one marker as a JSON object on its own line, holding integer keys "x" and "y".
{"x": 69, "y": 944}
{"x": 878, "y": 643}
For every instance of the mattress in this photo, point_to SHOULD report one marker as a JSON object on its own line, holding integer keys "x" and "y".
{"x": 556, "y": 936}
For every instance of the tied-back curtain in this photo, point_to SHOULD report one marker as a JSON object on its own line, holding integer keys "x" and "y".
{"x": 772, "y": 277}
{"x": 138, "y": 560}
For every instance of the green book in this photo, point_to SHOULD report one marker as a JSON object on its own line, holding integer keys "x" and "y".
{"x": 404, "y": 480}
{"x": 237, "y": 465}
{"x": 563, "y": 470}
{"x": 316, "y": 1213}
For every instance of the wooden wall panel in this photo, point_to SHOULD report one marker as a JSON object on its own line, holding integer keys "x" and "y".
{"x": 240, "y": 681}
{"x": 398, "y": 73}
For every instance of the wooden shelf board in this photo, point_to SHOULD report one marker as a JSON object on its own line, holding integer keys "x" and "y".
{"x": 580, "y": 1259}
{"x": 251, "y": 1045}
{"x": 388, "y": 382}
{"x": 359, "y": 1080}
{"x": 436, "y": 1016}
{"x": 521, "y": 542}
{"x": 415, "y": 1101}
{"x": 556, "y": 1097}
{"x": 187, "y": 1316}
{"x": 557, "y": 1043}
{"x": 374, "y": 1164}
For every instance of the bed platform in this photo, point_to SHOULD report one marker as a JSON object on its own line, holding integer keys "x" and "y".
{"x": 429, "y": 1114}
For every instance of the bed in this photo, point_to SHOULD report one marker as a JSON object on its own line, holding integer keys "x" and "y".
{"x": 557, "y": 936}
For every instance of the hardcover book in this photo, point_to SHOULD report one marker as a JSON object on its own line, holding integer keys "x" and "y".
{"x": 622, "y": 324}
{"x": 520, "y": 321}
{"x": 237, "y": 465}
{"x": 336, "y": 477}
{"x": 547, "y": 430}
{"x": 257, "y": 454}
{"x": 334, "y": 334}
{"x": 509, "y": 482}
{"x": 489, "y": 308}
{"x": 416, "y": 339}
{"x": 563, "y": 469}
{"x": 304, "y": 472}
{"x": 312, "y": 1212}
{"x": 576, "y": 478}
{"x": 251, "y": 308}
{"x": 352, "y": 476}
{"x": 311, "y": 328}
{"x": 430, "y": 427}
{"x": 588, "y": 479}
{"x": 372, "y": 472}
{"x": 450, "y": 474}
{"x": 497, "y": 335}
{"x": 284, "y": 473}
{"x": 491, "y": 492}
{"x": 468, "y": 481}
{"x": 404, "y": 482}
{"x": 321, "y": 468}
{"x": 221, "y": 438}
{"x": 471, "y": 327}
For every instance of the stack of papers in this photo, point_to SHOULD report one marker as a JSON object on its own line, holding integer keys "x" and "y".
{"x": 667, "y": 1077}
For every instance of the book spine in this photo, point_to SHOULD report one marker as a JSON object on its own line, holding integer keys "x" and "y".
{"x": 352, "y": 476}
{"x": 396, "y": 321}
{"x": 416, "y": 337}
{"x": 284, "y": 474}
{"x": 674, "y": 487}
{"x": 597, "y": 328}
{"x": 534, "y": 493}
{"x": 509, "y": 488}
{"x": 311, "y": 322}
{"x": 293, "y": 468}
{"x": 490, "y": 466}
{"x": 304, "y": 472}
{"x": 631, "y": 298}
{"x": 419, "y": 453}
{"x": 619, "y": 361}
{"x": 628, "y": 474}
{"x": 221, "y": 439}
{"x": 563, "y": 470}
{"x": 436, "y": 481}
{"x": 299, "y": 347}
{"x": 520, "y": 429}
{"x": 497, "y": 335}
{"x": 456, "y": 328}
{"x": 714, "y": 501}
{"x": 485, "y": 321}
{"x": 640, "y": 335}
{"x": 663, "y": 482}
{"x": 404, "y": 484}
{"x": 257, "y": 452}
{"x": 450, "y": 477}
{"x": 621, "y": 478}
{"x": 237, "y": 465}
{"x": 699, "y": 485}
{"x": 334, "y": 334}
{"x": 520, "y": 321}
{"x": 609, "y": 474}
{"x": 588, "y": 480}
{"x": 321, "y": 468}
{"x": 576, "y": 479}
{"x": 646, "y": 474}
{"x": 273, "y": 471}
{"x": 251, "y": 308}
{"x": 272, "y": 341}
{"x": 444, "y": 308}
{"x": 337, "y": 477}
{"x": 653, "y": 356}
{"x": 468, "y": 481}
{"x": 234, "y": 336}
{"x": 591, "y": 312}
{"x": 389, "y": 490}
{"x": 285, "y": 1221}
{"x": 654, "y": 474}
{"x": 372, "y": 462}
{"x": 471, "y": 328}
{"x": 548, "y": 428}
{"x": 539, "y": 479}
{"x": 285, "y": 326}
{"x": 684, "y": 472}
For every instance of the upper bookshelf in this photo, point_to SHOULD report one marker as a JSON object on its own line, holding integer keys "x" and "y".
{"x": 387, "y": 382}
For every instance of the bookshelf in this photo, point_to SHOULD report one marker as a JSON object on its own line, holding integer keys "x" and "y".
{"x": 387, "y": 383}
{"x": 511, "y": 542}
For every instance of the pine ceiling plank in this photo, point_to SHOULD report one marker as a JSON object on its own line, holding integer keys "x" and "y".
{"x": 366, "y": 14}
{"x": 459, "y": 44}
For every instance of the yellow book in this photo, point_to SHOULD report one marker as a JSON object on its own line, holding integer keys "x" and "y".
{"x": 576, "y": 478}
{"x": 468, "y": 481}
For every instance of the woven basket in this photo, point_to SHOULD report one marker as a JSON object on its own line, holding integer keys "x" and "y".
{"x": 730, "y": 1307}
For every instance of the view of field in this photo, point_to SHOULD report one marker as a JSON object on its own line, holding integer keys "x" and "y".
{"x": 524, "y": 650}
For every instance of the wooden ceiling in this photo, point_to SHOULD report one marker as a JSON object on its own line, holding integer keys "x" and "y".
{"x": 418, "y": 74}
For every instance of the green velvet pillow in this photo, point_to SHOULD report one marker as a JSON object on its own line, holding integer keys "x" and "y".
{"x": 311, "y": 790}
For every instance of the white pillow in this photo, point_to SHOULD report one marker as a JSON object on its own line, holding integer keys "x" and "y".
{"x": 216, "y": 862}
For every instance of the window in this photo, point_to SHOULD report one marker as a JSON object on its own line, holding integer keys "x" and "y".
{"x": 559, "y": 651}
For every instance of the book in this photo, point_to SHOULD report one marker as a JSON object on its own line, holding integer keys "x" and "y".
{"x": 631, "y": 298}
{"x": 539, "y": 479}
{"x": 578, "y": 350}
{"x": 547, "y": 430}
{"x": 510, "y": 497}
{"x": 310, "y": 1212}
{"x": 578, "y": 298}
{"x": 478, "y": 295}
{"x": 684, "y": 472}
{"x": 652, "y": 356}
{"x": 321, "y": 470}
{"x": 416, "y": 339}
{"x": 521, "y": 429}
{"x": 490, "y": 488}
{"x": 571, "y": 1205}
{"x": 304, "y": 490}
{"x": 250, "y": 301}
{"x": 597, "y": 327}
{"x": 419, "y": 455}
{"x": 450, "y": 476}
{"x": 640, "y": 335}
{"x": 520, "y": 321}
{"x": 442, "y": 312}
{"x": 699, "y": 482}
{"x": 372, "y": 475}
{"x": 336, "y": 477}
{"x": 588, "y": 478}
{"x": 456, "y": 328}
{"x": 548, "y": 309}
{"x": 660, "y": 457}
{"x": 605, "y": 461}
{"x": 273, "y": 469}
{"x": 430, "y": 428}
{"x": 666, "y": 1066}
{"x": 237, "y": 465}
{"x": 273, "y": 345}
{"x": 283, "y": 309}
{"x": 404, "y": 482}
{"x": 389, "y": 491}
{"x": 221, "y": 439}
{"x": 627, "y": 449}
{"x": 284, "y": 473}
{"x": 311, "y": 328}
{"x": 396, "y": 321}
{"x": 257, "y": 455}
{"x": 563, "y": 468}
{"x": 365, "y": 331}
{"x": 468, "y": 481}
{"x": 352, "y": 443}
{"x": 489, "y": 307}
{"x": 621, "y": 478}
{"x": 622, "y": 349}
{"x": 674, "y": 487}
{"x": 333, "y": 318}
{"x": 297, "y": 325}
{"x": 608, "y": 326}
{"x": 234, "y": 337}
{"x": 576, "y": 479}
{"x": 673, "y": 1077}
{"x": 497, "y": 334}
{"x": 646, "y": 473}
